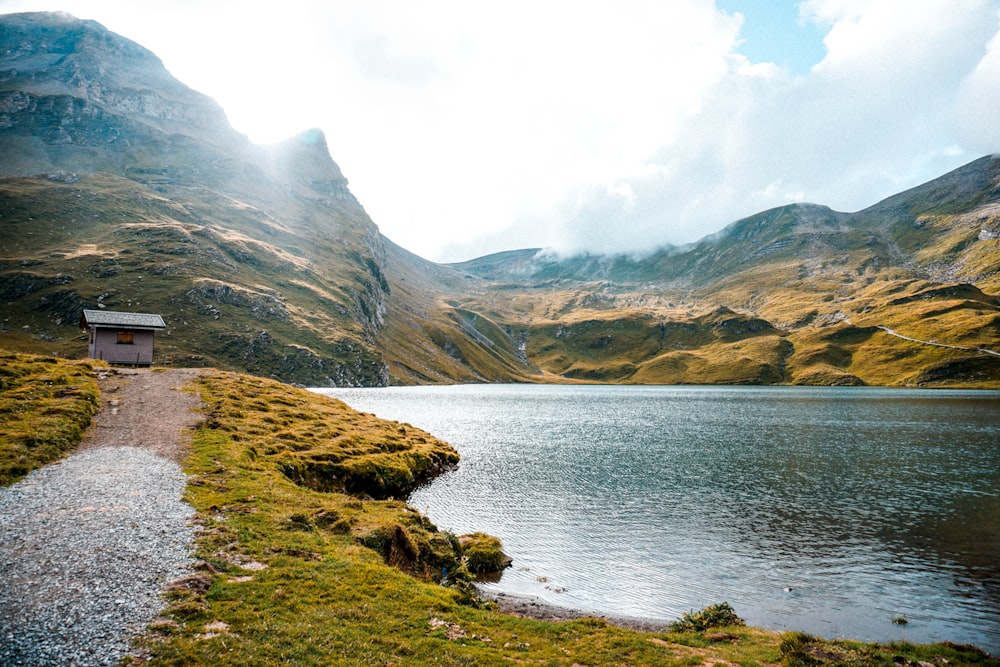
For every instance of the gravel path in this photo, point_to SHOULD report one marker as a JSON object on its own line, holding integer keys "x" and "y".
{"x": 87, "y": 544}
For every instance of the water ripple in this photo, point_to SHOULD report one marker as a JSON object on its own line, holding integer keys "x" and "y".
{"x": 830, "y": 511}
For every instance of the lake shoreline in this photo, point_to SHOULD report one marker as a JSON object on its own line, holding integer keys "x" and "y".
{"x": 530, "y": 606}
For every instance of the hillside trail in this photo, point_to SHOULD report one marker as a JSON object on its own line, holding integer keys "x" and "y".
{"x": 932, "y": 343}
{"x": 88, "y": 543}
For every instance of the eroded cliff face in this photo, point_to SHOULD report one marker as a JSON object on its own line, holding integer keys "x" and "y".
{"x": 78, "y": 98}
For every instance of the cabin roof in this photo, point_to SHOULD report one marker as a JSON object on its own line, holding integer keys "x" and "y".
{"x": 111, "y": 318}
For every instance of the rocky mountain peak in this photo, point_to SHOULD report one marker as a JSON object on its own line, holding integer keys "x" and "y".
{"x": 309, "y": 152}
{"x": 305, "y": 159}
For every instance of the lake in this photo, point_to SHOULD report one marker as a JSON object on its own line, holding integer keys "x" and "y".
{"x": 834, "y": 511}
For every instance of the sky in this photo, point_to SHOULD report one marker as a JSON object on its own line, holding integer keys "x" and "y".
{"x": 617, "y": 126}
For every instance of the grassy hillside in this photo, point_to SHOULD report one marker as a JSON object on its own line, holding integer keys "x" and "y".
{"x": 230, "y": 298}
{"x": 818, "y": 330}
{"x": 904, "y": 293}
{"x": 287, "y": 285}
{"x": 428, "y": 338}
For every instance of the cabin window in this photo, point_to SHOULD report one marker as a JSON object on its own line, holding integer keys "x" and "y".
{"x": 126, "y": 338}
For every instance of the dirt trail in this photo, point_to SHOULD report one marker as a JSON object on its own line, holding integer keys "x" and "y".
{"x": 982, "y": 350}
{"x": 145, "y": 409}
{"x": 87, "y": 543}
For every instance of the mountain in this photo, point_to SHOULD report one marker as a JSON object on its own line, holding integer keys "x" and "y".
{"x": 800, "y": 294}
{"x": 121, "y": 188}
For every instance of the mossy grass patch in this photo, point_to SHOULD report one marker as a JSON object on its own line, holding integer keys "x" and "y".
{"x": 46, "y": 404}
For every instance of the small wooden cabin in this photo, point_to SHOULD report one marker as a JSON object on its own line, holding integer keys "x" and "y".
{"x": 121, "y": 338}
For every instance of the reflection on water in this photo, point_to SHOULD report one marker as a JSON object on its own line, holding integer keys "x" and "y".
{"x": 827, "y": 510}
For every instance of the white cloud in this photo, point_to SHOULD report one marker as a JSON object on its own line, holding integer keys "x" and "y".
{"x": 979, "y": 100}
{"x": 879, "y": 114}
{"x": 467, "y": 128}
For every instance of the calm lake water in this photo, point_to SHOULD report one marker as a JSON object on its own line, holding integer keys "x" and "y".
{"x": 827, "y": 510}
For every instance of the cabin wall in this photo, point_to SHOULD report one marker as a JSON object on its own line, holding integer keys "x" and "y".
{"x": 111, "y": 345}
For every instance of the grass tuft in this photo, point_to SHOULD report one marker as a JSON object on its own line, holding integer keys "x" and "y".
{"x": 720, "y": 615}
{"x": 483, "y": 553}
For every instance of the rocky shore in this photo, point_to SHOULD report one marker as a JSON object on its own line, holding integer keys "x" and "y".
{"x": 529, "y": 606}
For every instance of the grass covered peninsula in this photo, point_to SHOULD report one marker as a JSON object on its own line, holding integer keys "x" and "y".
{"x": 307, "y": 556}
